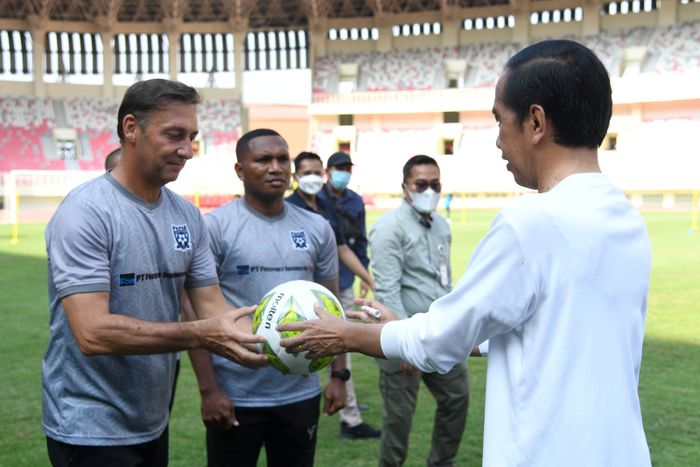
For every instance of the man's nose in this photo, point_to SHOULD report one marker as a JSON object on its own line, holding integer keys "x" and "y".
{"x": 186, "y": 150}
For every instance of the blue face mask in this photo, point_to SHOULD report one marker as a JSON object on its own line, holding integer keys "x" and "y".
{"x": 340, "y": 179}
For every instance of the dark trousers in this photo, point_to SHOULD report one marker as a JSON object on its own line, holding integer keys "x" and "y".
{"x": 400, "y": 395}
{"x": 288, "y": 433}
{"x": 151, "y": 454}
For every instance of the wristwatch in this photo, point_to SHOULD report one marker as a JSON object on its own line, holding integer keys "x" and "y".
{"x": 342, "y": 375}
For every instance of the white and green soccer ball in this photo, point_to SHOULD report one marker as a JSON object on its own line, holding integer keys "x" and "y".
{"x": 287, "y": 303}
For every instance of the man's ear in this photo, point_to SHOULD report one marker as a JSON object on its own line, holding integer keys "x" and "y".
{"x": 406, "y": 194}
{"x": 239, "y": 170}
{"x": 538, "y": 123}
{"x": 131, "y": 127}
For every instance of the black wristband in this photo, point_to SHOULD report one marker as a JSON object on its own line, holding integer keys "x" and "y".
{"x": 342, "y": 375}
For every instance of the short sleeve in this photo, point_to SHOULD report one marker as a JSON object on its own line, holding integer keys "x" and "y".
{"x": 213, "y": 229}
{"x": 202, "y": 271}
{"x": 78, "y": 250}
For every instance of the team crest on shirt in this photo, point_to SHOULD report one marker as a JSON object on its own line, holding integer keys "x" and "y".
{"x": 181, "y": 234}
{"x": 299, "y": 240}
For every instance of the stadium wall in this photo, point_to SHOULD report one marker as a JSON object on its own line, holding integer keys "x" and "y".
{"x": 389, "y": 126}
{"x": 291, "y": 121}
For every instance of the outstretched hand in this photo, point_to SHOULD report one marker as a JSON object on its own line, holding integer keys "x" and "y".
{"x": 318, "y": 337}
{"x": 230, "y": 336}
{"x": 330, "y": 335}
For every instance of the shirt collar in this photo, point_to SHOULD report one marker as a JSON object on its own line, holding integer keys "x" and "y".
{"x": 408, "y": 211}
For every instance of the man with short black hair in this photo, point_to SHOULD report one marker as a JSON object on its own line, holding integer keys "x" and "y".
{"x": 558, "y": 285}
{"x": 121, "y": 249}
{"x": 259, "y": 242}
{"x": 411, "y": 263}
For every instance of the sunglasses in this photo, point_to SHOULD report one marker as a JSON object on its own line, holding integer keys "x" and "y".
{"x": 422, "y": 185}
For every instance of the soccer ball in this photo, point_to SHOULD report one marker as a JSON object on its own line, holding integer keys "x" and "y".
{"x": 287, "y": 303}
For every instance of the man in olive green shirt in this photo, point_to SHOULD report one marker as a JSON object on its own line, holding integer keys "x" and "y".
{"x": 411, "y": 263}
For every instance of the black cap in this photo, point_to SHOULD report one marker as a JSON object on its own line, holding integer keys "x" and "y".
{"x": 339, "y": 158}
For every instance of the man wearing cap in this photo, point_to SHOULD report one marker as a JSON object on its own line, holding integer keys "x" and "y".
{"x": 350, "y": 210}
{"x": 308, "y": 173}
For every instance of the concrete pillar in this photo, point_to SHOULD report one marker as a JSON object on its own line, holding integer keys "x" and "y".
{"x": 591, "y": 18}
{"x": 667, "y": 13}
{"x": 239, "y": 60}
{"x": 385, "y": 42}
{"x": 107, "y": 64}
{"x": 318, "y": 35}
{"x": 38, "y": 33}
{"x": 106, "y": 26}
{"x": 450, "y": 29}
{"x": 240, "y": 30}
{"x": 172, "y": 29}
{"x": 521, "y": 31}
{"x": 173, "y": 50}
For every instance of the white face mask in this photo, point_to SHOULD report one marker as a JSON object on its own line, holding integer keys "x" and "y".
{"x": 310, "y": 184}
{"x": 424, "y": 202}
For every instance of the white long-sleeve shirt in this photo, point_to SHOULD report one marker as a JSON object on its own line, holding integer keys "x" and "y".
{"x": 559, "y": 287}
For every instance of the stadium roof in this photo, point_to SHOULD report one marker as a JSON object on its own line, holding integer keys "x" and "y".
{"x": 254, "y": 13}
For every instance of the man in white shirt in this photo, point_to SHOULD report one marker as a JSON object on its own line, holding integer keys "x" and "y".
{"x": 558, "y": 285}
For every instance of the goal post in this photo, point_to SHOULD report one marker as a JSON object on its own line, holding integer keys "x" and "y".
{"x": 33, "y": 195}
{"x": 695, "y": 206}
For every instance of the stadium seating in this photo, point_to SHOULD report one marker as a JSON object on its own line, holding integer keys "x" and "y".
{"x": 21, "y": 149}
{"x": 91, "y": 114}
{"x": 219, "y": 116}
{"x": 26, "y": 112}
{"x": 676, "y": 48}
{"x": 27, "y": 124}
{"x": 669, "y": 49}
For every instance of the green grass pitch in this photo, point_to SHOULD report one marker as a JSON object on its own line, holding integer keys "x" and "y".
{"x": 669, "y": 381}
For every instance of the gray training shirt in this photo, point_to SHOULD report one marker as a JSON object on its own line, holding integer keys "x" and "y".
{"x": 253, "y": 254}
{"x": 102, "y": 238}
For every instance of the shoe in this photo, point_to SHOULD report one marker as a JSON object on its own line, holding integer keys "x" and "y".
{"x": 361, "y": 431}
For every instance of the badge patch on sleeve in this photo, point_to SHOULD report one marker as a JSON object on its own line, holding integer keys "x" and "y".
{"x": 182, "y": 237}
{"x": 299, "y": 240}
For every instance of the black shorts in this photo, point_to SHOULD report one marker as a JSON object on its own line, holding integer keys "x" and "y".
{"x": 152, "y": 454}
{"x": 288, "y": 433}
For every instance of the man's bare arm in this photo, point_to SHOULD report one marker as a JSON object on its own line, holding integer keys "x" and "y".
{"x": 99, "y": 331}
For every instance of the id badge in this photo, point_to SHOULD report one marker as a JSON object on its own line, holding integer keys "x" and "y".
{"x": 444, "y": 277}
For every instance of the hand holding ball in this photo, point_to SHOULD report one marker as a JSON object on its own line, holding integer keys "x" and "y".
{"x": 291, "y": 302}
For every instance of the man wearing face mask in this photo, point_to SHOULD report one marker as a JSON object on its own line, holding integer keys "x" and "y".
{"x": 308, "y": 173}
{"x": 411, "y": 265}
{"x": 350, "y": 210}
